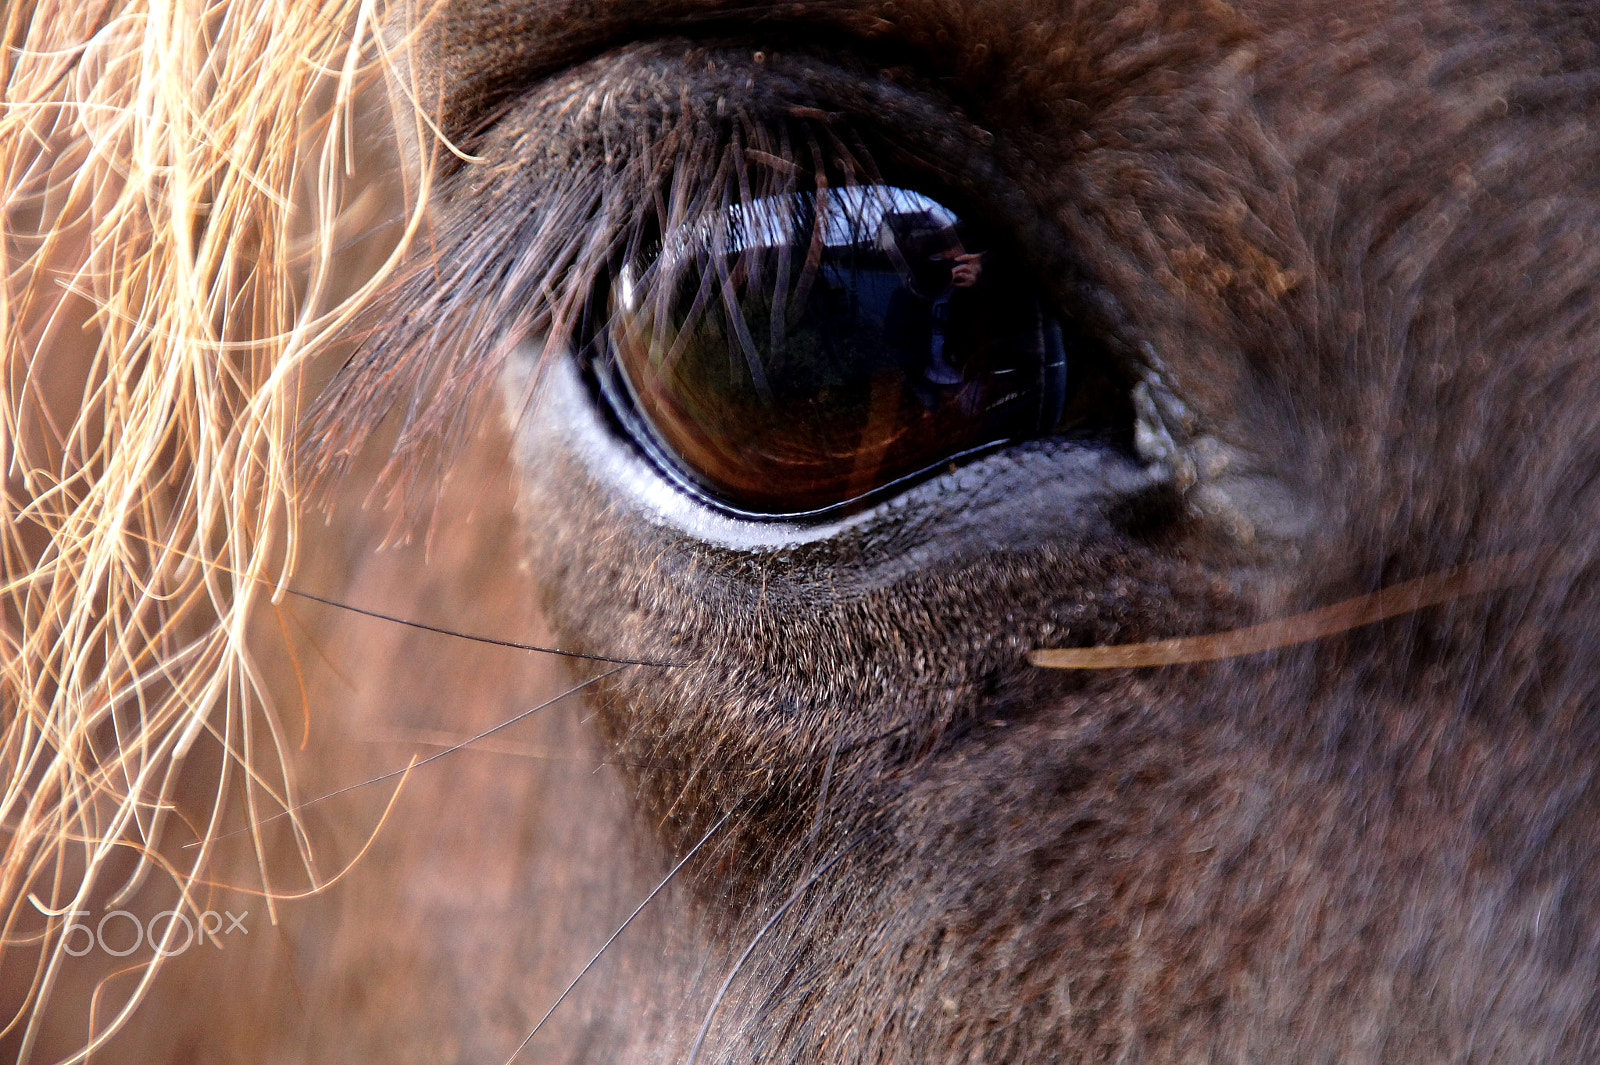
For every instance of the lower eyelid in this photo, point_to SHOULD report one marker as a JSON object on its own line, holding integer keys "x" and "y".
{"x": 1013, "y": 500}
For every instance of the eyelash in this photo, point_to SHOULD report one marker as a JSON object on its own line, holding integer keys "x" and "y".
{"x": 583, "y": 177}
{"x": 519, "y": 247}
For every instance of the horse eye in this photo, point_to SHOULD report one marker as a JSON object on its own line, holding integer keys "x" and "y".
{"x": 802, "y": 354}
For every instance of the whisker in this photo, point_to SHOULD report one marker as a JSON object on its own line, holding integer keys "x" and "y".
{"x": 172, "y": 551}
{"x": 620, "y": 929}
{"x": 416, "y": 764}
{"x": 492, "y": 641}
{"x": 716, "y": 1003}
{"x": 1430, "y": 590}
{"x": 822, "y": 797}
{"x": 511, "y": 749}
{"x": 533, "y": 752}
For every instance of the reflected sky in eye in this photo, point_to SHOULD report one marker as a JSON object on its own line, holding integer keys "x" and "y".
{"x": 850, "y": 215}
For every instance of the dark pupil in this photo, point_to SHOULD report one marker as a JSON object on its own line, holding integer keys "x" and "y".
{"x": 798, "y": 353}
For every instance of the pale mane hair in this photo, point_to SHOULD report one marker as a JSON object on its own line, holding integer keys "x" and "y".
{"x": 187, "y": 234}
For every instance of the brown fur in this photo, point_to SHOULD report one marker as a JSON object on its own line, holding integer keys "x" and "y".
{"x": 1351, "y": 252}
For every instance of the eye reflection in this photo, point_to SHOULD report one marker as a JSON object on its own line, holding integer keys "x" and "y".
{"x": 800, "y": 353}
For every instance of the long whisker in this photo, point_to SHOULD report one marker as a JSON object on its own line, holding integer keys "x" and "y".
{"x": 822, "y": 796}
{"x": 620, "y": 929}
{"x": 441, "y": 738}
{"x": 1430, "y": 590}
{"x": 716, "y": 1003}
{"x": 507, "y": 723}
{"x": 172, "y": 551}
{"x": 493, "y": 641}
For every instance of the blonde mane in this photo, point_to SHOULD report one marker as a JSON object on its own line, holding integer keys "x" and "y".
{"x": 187, "y": 234}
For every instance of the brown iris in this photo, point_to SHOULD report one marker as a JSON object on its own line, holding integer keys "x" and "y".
{"x": 801, "y": 353}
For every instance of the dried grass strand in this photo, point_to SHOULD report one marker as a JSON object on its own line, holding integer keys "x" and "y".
{"x": 1431, "y": 590}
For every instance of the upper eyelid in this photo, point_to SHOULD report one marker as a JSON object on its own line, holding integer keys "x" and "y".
{"x": 611, "y": 106}
{"x": 519, "y": 241}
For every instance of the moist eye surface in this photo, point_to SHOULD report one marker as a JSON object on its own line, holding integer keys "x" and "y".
{"x": 804, "y": 353}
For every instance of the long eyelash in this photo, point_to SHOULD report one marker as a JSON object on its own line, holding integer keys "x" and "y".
{"x": 508, "y": 266}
